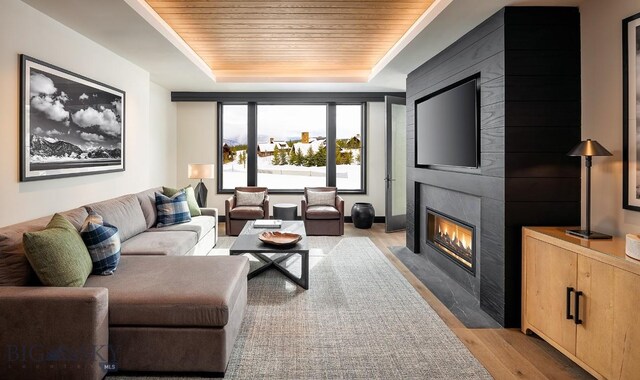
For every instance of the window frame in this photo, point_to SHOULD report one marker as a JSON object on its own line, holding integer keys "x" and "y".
{"x": 252, "y": 135}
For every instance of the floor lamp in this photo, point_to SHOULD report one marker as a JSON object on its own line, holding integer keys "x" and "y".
{"x": 588, "y": 149}
{"x": 201, "y": 171}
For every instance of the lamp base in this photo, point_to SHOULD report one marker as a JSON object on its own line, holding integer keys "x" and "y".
{"x": 201, "y": 194}
{"x": 591, "y": 235}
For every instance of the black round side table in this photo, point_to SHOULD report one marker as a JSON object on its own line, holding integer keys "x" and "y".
{"x": 285, "y": 211}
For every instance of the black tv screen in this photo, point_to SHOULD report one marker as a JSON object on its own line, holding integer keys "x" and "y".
{"x": 446, "y": 125}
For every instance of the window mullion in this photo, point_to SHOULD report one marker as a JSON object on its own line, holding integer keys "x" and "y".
{"x": 331, "y": 144}
{"x": 252, "y": 144}
{"x": 219, "y": 149}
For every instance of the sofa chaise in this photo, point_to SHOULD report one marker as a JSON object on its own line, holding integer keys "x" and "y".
{"x": 166, "y": 308}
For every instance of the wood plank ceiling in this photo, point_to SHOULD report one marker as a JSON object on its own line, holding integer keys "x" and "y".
{"x": 300, "y": 40}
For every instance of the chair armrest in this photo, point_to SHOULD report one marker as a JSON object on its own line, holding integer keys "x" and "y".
{"x": 265, "y": 207}
{"x": 229, "y": 204}
{"x": 303, "y": 208}
{"x": 210, "y": 212}
{"x": 46, "y": 326}
{"x": 340, "y": 204}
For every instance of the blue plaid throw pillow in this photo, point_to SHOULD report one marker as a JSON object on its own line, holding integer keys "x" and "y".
{"x": 174, "y": 210}
{"x": 103, "y": 243}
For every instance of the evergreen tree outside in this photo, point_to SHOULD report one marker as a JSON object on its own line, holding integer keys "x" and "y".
{"x": 348, "y": 158}
{"x": 292, "y": 156}
{"x": 308, "y": 159}
{"x": 299, "y": 158}
{"x": 242, "y": 158}
{"x": 320, "y": 157}
{"x": 338, "y": 157}
{"x": 282, "y": 157}
{"x": 275, "y": 160}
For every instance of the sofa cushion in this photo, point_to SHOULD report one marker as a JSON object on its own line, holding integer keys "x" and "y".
{"x": 194, "y": 209}
{"x": 15, "y": 269}
{"x": 247, "y": 212}
{"x": 123, "y": 212}
{"x": 170, "y": 243}
{"x": 201, "y": 225}
{"x": 321, "y": 198}
{"x": 57, "y": 254}
{"x": 174, "y": 291}
{"x": 172, "y": 210}
{"x": 147, "y": 200}
{"x": 322, "y": 212}
{"x": 103, "y": 242}
{"x": 249, "y": 198}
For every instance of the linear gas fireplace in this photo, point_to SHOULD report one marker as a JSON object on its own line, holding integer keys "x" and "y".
{"x": 453, "y": 238}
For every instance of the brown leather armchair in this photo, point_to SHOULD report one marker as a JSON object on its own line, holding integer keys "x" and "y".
{"x": 237, "y": 216}
{"x": 323, "y": 219}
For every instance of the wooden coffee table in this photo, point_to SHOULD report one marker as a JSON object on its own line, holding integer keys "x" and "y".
{"x": 248, "y": 242}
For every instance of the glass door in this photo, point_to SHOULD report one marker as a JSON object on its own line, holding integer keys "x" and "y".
{"x": 396, "y": 164}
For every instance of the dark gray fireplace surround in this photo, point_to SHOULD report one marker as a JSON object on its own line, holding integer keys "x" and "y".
{"x": 528, "y": 61}
{"x": 460, "y": 206}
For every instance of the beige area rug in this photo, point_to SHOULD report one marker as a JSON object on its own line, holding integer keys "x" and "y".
{"x": 360, "y": 319}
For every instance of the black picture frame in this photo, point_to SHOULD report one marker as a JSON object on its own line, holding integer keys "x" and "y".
{"x": 631, "y": 111}
{"x": 70, "y": 125}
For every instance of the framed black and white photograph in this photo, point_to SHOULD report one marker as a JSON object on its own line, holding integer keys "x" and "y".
{"x": 631, "y": 117}
{"x": 70, "y": 125}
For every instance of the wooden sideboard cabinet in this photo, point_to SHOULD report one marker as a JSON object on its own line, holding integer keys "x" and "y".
{"x": 583, "y": 298}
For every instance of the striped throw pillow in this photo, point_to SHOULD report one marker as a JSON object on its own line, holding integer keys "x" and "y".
{"x": 103, "y": 242}
{"x": 174, "y": 210}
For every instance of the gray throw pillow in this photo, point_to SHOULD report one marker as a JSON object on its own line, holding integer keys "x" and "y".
{"x": 321, "y": 198}
{"x": 248, "y": 198}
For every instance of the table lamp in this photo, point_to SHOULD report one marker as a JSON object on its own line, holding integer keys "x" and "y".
{"x": 588, "y": 149}
{"x": 201, "y": 171}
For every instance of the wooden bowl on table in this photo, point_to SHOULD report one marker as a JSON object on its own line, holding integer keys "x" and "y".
{"x": 279, "y": 239}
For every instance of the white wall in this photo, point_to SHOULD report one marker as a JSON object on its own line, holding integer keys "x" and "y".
{"x": 150, "y": 117}
{"x": 601, "y": 24}
{"x": 197, "y": 143}
{"x": 197, "y": 132}
{"x": 161, "y": 132}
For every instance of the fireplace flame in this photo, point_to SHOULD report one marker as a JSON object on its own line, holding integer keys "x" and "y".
{"x": 458, "y": 239}
{"x": 452, "y": 238}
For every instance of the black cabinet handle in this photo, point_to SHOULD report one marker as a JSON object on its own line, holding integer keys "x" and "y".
{"x": 577, "y": 319}
{"x": 569, "y": 291}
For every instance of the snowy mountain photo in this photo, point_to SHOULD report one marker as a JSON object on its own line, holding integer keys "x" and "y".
{"x": 72, "y": 125}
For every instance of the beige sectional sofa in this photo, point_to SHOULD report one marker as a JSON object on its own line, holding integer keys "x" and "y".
{"x": 162, "y": 310}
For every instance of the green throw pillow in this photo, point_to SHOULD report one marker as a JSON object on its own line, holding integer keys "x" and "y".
{"x": 194, "y": 209}
{"x": 57, "y": 254}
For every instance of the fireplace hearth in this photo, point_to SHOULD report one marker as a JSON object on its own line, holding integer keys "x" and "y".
{"x": 453, "y": 238}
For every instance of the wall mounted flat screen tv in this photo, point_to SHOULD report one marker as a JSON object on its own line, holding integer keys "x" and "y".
{"x": 446, "y": 124}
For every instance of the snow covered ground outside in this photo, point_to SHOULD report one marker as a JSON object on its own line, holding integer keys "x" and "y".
{"x": 73, "y": 158}
{"x": 290, "y": 176}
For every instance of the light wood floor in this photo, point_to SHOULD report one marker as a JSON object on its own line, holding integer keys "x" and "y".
{"x": 505, "y": 353}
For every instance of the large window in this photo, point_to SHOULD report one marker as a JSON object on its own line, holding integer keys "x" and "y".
{"x": 287, "y": 147}
{"x": 349, "y": 147}
{"x": 292, "y": 150}
{"x": 234, "y": 145}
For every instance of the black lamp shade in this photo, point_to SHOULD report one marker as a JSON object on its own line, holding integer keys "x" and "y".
{"x": 589, "y": 148}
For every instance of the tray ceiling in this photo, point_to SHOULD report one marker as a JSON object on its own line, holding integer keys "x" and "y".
{"x": 301, "y": 40}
